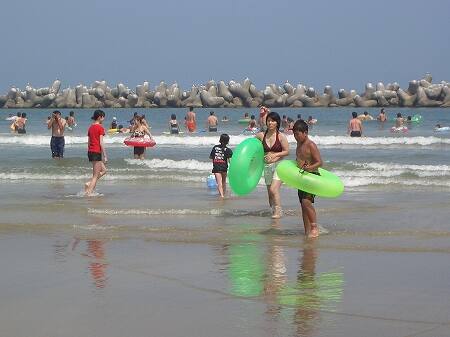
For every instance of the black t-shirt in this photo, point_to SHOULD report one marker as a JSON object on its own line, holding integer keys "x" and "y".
{"x": 220, "y": 156}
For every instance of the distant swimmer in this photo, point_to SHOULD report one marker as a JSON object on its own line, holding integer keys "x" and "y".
{"x": 96, "y": 151}
{"x": 212, "y": 122}
{"x": 382, "y": 117}
{"x": 311, "y": 121}
{"x": 365, "y": 117}
{"x": 355, "y": 126}
{"x": 13, "y": 125}
{"x": 71, "y": 122}
{"x": 20, "y": 123}
{"x": 113, "y": 124}
{"x": 263, "y": 112}
{"x": 399, "y": 121}
{"x": 174, "y": 128}
{"x": 220, "y": 155}
{"x": 299, "y": 116}
{"x": 224, "y": 119}
{"x": 191, "y": 122}
{"x": 284, "y": 122}
{"x": 252, "y": 123}
{"x": 131, "y": 121}
{"x": 57, "y": 124}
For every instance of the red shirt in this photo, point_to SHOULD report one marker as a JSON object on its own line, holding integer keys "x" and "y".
{"x": 94, "y": 133}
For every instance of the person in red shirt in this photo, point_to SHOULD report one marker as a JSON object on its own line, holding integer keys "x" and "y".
{"x": 96, "y": 150}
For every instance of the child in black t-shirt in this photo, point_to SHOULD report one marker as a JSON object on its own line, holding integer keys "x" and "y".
{"x": 220, "y": 155}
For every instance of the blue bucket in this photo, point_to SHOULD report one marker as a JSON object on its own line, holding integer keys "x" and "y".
{"x": 211, "y": 181}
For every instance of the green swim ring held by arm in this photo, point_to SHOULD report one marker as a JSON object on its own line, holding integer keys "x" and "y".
{"x": 246, "y": 166}
{"x": 327, "y": 185}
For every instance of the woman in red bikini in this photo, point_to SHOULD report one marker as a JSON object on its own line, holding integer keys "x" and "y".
{"x": 276, "y": 147}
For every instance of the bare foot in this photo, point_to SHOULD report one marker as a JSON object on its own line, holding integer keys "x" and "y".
{"x": 314, "y": 233}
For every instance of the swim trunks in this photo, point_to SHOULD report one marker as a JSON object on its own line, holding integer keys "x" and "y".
{"x": 94, "y": 156}
{"x": 305, "y": 195}
{"x": 191, "y": 126}
{"x": 213, "y": 129}
{"x": 355, "y": 134}
{"x": 139, "y": 150}
{"x": 57, "y": 146}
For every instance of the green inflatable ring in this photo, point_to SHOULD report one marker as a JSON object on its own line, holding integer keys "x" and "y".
{"x": 244, "y": 121}
{"x": 327, "y": 185}
{"x": 416, "y": 118}
{"x": 246, "y": 166}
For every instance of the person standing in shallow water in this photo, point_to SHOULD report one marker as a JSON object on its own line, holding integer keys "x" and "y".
{"x": 96, "y": 151}
{"x": 191, "y": 122}
{"x": 220, "y": 155}
{"x": 308, "y": 159}
{"x": 276, "y": 147}
{"x": 355, "y": 126}
{"x": 57, "y": 142}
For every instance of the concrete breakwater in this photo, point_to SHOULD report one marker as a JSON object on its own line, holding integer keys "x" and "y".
{"x": 420, "y": 93}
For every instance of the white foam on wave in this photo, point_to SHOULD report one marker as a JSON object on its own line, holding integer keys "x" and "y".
{"x": 109, "y": 177}
{"x": 169, "y": 164}
{"x": 394, "y": 166}
{"x": 378, "y": 141}
{"x": 207, "y": 141}
{"x": 172, "y": 211}
{"x": 367, "y": 181}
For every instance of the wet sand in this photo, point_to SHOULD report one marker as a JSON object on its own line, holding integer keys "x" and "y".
{"x": 73, "y": 267}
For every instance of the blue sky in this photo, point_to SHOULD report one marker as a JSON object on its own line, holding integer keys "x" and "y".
{"x": 340, "y": 43}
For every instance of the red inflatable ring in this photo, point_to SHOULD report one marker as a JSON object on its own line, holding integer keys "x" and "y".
{"x": 139, "y": 141}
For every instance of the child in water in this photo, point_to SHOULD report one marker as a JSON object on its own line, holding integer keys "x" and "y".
{"x": 308, "y": 159}
{"x": 220, "y": 155}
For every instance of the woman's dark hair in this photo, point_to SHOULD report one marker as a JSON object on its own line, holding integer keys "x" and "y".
{"x": 24, "y": 115}
{"x": 354, "y": 114}
{"x": 211, "y": 113}
{"x": 224, "y": 139}
{"x": 173, "y": 116}
{"x": 399, "y": 115}
{"x": 97, "y": 114}
{"x": 275, "y": 117}
{"x": 252, "y": 117}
